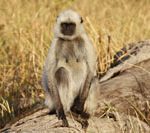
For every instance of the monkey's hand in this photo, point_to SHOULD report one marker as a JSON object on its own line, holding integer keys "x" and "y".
{"x": 77, "y": 108}
{"x": 61, "y": 116}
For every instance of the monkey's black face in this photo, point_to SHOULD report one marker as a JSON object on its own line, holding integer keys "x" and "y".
{"x": 68, "y": 28}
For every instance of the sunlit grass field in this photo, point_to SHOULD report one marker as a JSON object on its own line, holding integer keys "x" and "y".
{"x": 26, "y": 32}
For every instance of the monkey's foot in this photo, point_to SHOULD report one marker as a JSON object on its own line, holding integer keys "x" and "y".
{"x": 84, "y": 123}
{"x": 81, "y": 119}
{"x": 65, "y": 123}
{"x": 52, "y": 112}
{"x": 61, "y": 116}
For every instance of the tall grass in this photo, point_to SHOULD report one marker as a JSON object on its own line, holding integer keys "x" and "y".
{"x": 26, "y": 32}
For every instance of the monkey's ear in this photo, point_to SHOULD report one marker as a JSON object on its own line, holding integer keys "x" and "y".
{"x": 81, "y": 20}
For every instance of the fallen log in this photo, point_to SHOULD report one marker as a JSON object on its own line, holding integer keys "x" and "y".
{"x": 40, "y": 122}
{"x": 119, "y": 103}
{"x": 126, "y": 92}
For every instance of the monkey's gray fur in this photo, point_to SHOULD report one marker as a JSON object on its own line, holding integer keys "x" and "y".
{"x": 69, "y": 67}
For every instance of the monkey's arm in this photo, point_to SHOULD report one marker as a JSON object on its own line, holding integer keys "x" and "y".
{"x": 51, "y": 86}
{"x": 90, "y": 59}
{"x": 53, "y": 91}
{"x": 78, "y": 107}
{"x": 79, "y": 102}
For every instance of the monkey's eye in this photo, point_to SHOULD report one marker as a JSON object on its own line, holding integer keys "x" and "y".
{"x": 81, "y": 20}
{"x": 68, "y": 25}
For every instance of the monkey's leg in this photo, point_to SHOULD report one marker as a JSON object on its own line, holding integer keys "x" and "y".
{"x": 56, "y": 98}
{"x": 52, "y": 112}
{"x": 79, "y": 102}
{"x": 49, "y": 102}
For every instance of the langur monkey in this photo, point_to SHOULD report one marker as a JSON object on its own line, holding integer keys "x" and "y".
{"x": 70, "y": 66}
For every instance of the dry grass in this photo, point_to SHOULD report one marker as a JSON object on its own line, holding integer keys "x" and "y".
{"x": 26, "y": 32}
